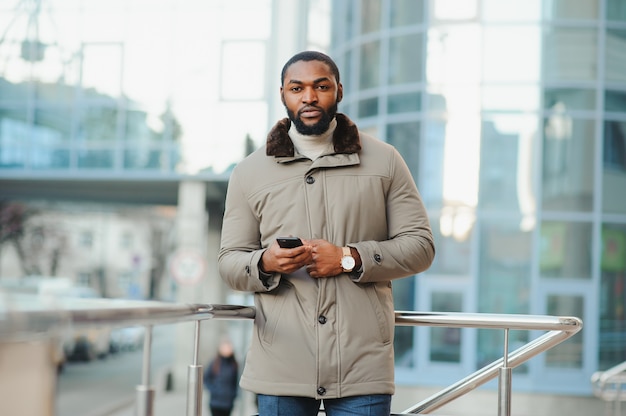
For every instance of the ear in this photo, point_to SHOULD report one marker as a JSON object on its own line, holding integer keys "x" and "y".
{"x": 282, "y": 96}
{"x": 339, "y": 92}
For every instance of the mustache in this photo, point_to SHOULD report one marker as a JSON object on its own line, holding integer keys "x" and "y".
{"x": 309, "y": 108}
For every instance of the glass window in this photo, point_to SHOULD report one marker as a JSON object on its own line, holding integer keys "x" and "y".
{"x": 98, "y": 123}
{"x": 614, "y": 169}
{"x": 404, "y": 103}
{"x": 568, "y": 354}
{"x": 504, "y": 63}
{"x": 510, "y": 97}
{"x": 504, "y": 279}
{"x": 511, "y": 10}
{"x": 144, "y": 158}
{"x": 453, "y": 254}
{"x": 370, "y": 65}
{"x": 569, "y": 54}
{"x": 615, "y": 101}
{"x": 405, "y": 59}
{"x": 569, "y": 98}
{"x": 507, "y": 162}
{"x": 406, "y": 12}
{"x": 404, "y": 300}
{"x": 612, "y": 296}
{"x": 616, "y": 10}
{"x": 95, "y": 159}
{"x": 615, "y": 63}
{"x": 370, "y": 15}
{"x": 568, "y": 163}
{"x": 571, "y": 9}
{"x": 368, "y": 107}
{"x": 445, "y": 343}
{"x": 406, "y": 138}
{"x": 565, "y": 249}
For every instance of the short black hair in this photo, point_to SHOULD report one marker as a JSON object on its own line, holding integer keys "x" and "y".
{"x": 310, "y": 56}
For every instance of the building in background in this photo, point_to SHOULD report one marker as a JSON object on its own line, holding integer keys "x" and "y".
{"x": 512, "y": 116}
{"x": 510, "y": 113}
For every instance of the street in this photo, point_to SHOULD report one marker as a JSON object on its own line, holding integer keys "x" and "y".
{"x": 91, "y": 388}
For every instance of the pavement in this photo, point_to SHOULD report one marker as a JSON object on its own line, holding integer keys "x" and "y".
{"x": 475, "y": 403}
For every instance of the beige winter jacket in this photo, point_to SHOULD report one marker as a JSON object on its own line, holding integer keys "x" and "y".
{"x": 328, "y": 337}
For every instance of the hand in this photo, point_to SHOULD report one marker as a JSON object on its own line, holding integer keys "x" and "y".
{"x": 326, "y": 259}
{"x": 285, "y": 260}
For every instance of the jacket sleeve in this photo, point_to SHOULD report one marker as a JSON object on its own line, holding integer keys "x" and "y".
{"x": 240, "y": 248}
{"x": 410, "y": 247}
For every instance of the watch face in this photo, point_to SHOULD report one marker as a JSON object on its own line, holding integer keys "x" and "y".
{"x": 348, "y": 262}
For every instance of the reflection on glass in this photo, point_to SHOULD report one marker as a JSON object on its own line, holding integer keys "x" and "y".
{"x": 504, "y": 268}
{"x": 571, "y": 9}
{"x": 616, "y": 10}
{"x": 445, "y": 343}
{"x": 511, "y": 10}
{"x": 368, "y": 107}
{"x": 406, "y": 12}
{"x": 565, "y": 250}
{"x": 404, "y": 300}
{"x": 504, "y": 279}
{"x": 612, "y": 300}
{"x": 405, "y": 59}
{"x": 370, "y": 65}
{"x": 615, "y": 101}
{"x": 568, "y": 162}
{"x": 569, "y": 54}
{"x": 570, "y": 98}
{"x": 614, "y": 169}
{"x": 510, "y": 97}
{"x": 453, "y": 255}
{"x": 507, "y": 157}
{"x": 505, "y": 63}
{"x": 405, "y": 137}
{"x": 95, "y": 159}
{"x": 568, "y": 354}
{"x": 404, "y": 103}
{"x": 615, "y": 65}
{"x": 370, "y": 15}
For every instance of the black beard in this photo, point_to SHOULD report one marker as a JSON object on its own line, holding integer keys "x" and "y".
{"x": 317, "y": 128}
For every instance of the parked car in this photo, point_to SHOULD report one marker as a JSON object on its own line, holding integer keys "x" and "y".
{"x": 127, "y": 339}
{"x": 86, "y": 343}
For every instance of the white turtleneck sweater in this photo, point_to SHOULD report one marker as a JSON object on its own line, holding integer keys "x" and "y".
{"x": 312, "y": 146}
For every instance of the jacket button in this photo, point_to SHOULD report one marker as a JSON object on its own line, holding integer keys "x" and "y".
{"x": 377, "y": 257}
{"x": 321, "y": 319}
{"x": 321, "y": 391}
{"x": 310, "y": 180}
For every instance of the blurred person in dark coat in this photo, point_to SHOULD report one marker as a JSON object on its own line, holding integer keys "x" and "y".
{"x": 221, "y": 378}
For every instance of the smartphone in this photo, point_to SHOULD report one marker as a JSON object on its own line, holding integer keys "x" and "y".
{"x": 289, "y": 242}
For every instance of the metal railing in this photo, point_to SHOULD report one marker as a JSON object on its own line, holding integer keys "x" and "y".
{"x": 610, "y": 386}
{"x": 33, "y": 318}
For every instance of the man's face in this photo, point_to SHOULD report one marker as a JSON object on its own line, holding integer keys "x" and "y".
{"x": 310, "y": 94}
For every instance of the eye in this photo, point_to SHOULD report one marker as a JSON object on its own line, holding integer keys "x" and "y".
{"x": 323, "y": 87}
{"x": 295, "y": 89}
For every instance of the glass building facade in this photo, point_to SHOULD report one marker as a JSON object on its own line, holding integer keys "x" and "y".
{"x": 512, "y": 117}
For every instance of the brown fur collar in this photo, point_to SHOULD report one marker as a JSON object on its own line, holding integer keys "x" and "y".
{"x": 345, "y": 138}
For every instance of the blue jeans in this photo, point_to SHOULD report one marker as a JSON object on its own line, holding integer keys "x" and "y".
{"x": 368, "y": 405}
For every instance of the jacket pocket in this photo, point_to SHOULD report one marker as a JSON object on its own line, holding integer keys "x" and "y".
{"x": 380, "y": 301}
{"x": 272, "y": 306}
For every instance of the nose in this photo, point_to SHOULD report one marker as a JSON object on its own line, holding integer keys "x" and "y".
{"x": 309, "y": 96}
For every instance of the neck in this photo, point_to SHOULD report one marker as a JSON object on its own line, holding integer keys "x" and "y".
{"x": 312, "y": 146}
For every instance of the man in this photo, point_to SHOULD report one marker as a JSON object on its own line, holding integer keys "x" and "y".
{"x": 324, "y": 321}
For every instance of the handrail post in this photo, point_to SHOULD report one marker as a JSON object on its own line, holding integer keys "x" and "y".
{"x": 504, "y": 381}
{"x": 194, "y": 380}
{"x": 144, "y": 400}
